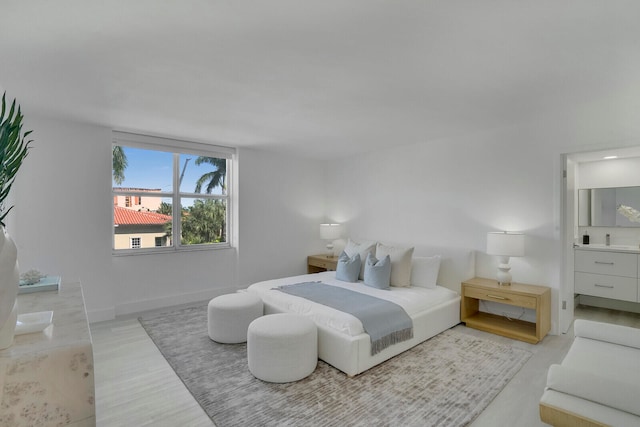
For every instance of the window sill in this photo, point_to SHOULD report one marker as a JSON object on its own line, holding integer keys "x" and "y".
{"x": 183, "y": 249}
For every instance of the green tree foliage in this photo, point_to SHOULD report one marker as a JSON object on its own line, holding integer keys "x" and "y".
{"x": 204, "y": 222}
{"x": 215, "y": 178}
{"x": 120, "y": 164}
{"x": 165, "y": 209}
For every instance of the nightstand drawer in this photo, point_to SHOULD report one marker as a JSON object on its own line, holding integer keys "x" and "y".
{"x": 600, "y": 285}
{"x": 501, "y": 297}
{"x": 320, "y": 263}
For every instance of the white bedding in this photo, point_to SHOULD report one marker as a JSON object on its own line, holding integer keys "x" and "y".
{"x": 413, "y": 300}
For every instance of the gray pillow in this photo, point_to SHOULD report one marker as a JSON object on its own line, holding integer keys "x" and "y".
{"x": 377, "y": 274}
{"x": 347, "y": 268}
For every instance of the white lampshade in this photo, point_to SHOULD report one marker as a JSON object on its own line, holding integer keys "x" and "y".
{"x": 330, "y": 231}
{"x": 505, "y": 244}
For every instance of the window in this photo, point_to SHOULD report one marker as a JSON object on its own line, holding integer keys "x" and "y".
{"x": 169, "y": 194}
{"x": 135, "y": 243}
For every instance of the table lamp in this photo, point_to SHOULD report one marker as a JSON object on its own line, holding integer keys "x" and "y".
{"x": 330, "y": 232}
{"x": 505, "y": 245}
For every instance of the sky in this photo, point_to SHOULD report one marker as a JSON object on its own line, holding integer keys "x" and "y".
{"x": 153, "y": 170}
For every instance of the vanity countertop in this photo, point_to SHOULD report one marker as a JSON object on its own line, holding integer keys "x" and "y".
{"x": 612, "y": 248}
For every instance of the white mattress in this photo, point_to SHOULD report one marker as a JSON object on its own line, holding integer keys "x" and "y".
{"x": 413, "y": 300}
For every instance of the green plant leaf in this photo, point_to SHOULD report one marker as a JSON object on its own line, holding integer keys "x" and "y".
{"x": 3, "y": 106}
{"x": 14, "y": 148}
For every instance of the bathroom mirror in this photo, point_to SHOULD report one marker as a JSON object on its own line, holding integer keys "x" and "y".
{"x": 609, "y": 207}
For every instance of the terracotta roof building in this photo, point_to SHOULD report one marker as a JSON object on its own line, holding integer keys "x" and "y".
{"x": 143, "y": 200}
{"x": 124, "y": 216}
{"x": 139, "y": 229}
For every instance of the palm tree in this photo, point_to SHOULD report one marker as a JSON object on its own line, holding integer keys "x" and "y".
{"x": 119, "y": 164}
{"x": 215, "y": 178}
{"x": 165, "y": 209}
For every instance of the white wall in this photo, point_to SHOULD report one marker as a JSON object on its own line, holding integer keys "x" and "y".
{"x": 281, "y": 206}
{"x": 62, "y": 218}
{"x": 62, "y": 224}
{"x": 452, "y": 192}
{"x": 609, "y": 173}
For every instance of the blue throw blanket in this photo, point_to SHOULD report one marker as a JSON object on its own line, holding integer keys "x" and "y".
{"x": 386, "y": 323}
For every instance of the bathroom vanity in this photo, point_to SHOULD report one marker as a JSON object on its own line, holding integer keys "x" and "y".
{"x": 607, "y": 272}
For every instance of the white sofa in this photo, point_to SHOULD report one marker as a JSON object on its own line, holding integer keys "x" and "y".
{"x": 598, "y": 382}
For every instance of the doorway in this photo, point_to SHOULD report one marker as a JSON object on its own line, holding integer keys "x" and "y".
{"x": 569, "y": 229}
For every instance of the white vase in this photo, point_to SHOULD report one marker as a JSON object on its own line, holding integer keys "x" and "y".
{"x": 9, "y": 282}
{"x": 8, "y": 330}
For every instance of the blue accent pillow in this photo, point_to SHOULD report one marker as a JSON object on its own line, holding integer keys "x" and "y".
{"x": 347, "y": 268}
{"x": 377, "y": 274}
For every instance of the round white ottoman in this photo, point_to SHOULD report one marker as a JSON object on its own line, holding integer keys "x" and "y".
{"x": 229, "y": 316}
{"x": 282, "y": 348}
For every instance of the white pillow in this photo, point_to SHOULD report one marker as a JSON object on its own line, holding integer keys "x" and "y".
{"x": 424, "y": 271}
{"x": 400, "y": 263}
{"x": 363, "y": 249}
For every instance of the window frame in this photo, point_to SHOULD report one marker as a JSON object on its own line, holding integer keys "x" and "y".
{"x": 137, "y": 240}
{"x": 178, "y": 148}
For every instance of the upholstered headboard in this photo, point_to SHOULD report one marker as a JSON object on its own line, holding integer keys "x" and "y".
{"x": 456, "y": 264}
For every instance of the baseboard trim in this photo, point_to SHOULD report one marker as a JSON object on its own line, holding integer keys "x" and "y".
{"x": 168, "y": 301}
{"x": 155, "y": 303}
{"x": 611, "y": 304}
{"x": 101, "y": 315}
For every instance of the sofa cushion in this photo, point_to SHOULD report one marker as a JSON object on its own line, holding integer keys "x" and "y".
{"x": 607, "y": 332}
{"x": 591, "y": 386}
{"x": 618, "y": 362}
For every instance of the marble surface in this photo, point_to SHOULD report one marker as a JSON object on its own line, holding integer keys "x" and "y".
{"x": 47, "y": 378}
{"x": 612, "y": 248}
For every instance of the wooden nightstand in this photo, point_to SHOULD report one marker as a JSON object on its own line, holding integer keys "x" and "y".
{"x": 534, "y": 297}
{"x": 319, "y": 263}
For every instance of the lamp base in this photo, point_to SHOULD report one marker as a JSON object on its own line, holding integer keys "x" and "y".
{"x": 330, "y": 249}
{"x": 504, "y": 275}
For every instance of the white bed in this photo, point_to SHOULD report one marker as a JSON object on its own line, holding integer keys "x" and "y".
{"x": 342, "y": 341}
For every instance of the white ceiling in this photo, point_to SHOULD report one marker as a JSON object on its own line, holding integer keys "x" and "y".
{"x": 318, "y": 77}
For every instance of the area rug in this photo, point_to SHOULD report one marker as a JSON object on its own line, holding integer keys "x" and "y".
{"x": 445, "y": 381}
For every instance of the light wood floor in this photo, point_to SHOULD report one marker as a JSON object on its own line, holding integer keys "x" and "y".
{"x": 135, "y": 386}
